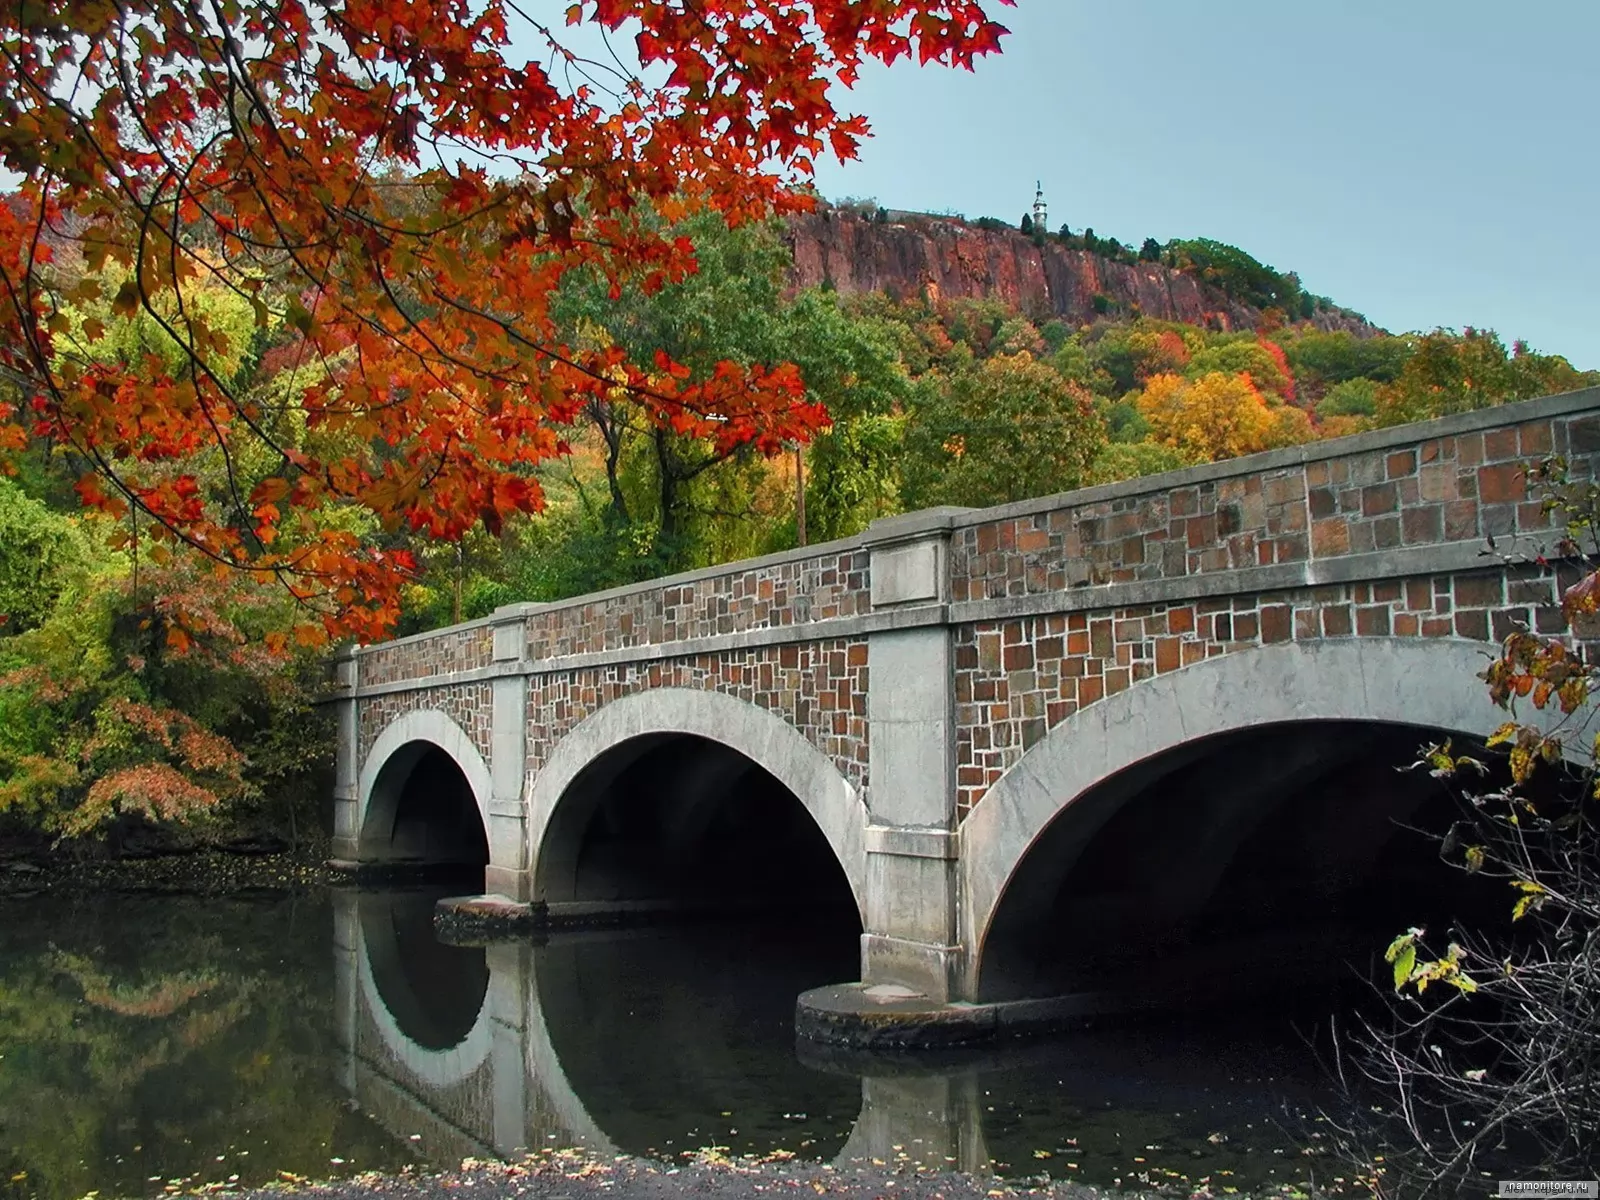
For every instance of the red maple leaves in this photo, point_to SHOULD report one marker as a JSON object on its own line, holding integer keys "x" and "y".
{"x": 394, "y": 190}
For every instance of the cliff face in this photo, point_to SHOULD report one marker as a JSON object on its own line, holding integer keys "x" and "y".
{"x": 951, "y": 259}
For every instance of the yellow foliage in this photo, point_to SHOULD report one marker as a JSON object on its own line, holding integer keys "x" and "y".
{"x": 1218, "y": 416}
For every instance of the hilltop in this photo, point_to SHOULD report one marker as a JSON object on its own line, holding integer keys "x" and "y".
{"x": 855, "y": 248}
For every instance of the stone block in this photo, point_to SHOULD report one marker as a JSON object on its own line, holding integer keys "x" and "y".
{"x": 930, "y": 971}
{"x": 906, "y": 574}
{"x": 911, "y": 898}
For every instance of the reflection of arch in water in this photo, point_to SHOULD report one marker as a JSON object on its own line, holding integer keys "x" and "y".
{"x": 438, "y": 1031}
{"x": 475, "y": 1076}
{"x": 664, "y": 1032}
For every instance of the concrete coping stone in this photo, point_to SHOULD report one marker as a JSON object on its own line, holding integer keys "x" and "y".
{"x": 911, "y": 526}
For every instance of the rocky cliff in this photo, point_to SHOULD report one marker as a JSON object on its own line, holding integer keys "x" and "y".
{"x": 950, "y": 258}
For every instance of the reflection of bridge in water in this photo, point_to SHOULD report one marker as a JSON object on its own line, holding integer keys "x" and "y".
{"x": 635, "y": 1042}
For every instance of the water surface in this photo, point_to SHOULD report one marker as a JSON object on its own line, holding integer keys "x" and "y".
{"x": 148, "y": 1043}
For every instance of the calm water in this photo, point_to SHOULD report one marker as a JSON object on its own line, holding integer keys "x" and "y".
{"x": 156, "y": 1042}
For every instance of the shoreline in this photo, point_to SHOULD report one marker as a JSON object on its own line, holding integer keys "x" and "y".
{"x": 575, "y": 1174}
{"x": 203, "y": 871}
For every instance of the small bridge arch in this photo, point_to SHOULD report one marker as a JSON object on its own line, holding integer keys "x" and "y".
{"x": 567, "y": 788}
{"x": 423, "y": 794}
{"x": 1073, "y": 782}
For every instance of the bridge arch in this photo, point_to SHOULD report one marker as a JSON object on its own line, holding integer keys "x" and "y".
{"x": 1370, "y": 681}
{"x": 423, "y": 793}
{"x": 611, "y": 738}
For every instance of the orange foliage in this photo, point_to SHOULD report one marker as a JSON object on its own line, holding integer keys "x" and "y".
{"x": 296, "y": 156}
{"x": 1219, "y": 416}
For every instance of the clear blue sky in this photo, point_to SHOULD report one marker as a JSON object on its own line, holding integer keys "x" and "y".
{"x": 1424, "y": 162}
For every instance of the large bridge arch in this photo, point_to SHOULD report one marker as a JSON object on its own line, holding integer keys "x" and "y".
{"x": 763, "y": 738}
{"x": 422, "y": 739}
{"x": 1426, "y": 684}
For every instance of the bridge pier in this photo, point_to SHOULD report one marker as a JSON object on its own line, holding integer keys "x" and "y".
{"x": 508, "y": 872}
{"x": 909, "y": 941}
{"x": 347, "y": 760}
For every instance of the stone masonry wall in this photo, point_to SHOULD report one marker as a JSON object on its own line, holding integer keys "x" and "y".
{"x": 779, "y": 595}
{"x": 469, "y": 705}
{"x": 1459, "y": 488}
{"x": 818, "y": 687}
{"x": 1016, "y": 680}
{"x": 442, "y": 653}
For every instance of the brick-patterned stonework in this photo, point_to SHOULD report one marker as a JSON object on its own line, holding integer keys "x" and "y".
{"x": 1016, "y": 680}
{"x": 1459, "y": 488}
{"x": 443, "y": 653}
{"x": 818, "y": 687}
{"x": 1050, "y": 604}
{"x": 778, "y": 595}
{"x": 467, "y": 704}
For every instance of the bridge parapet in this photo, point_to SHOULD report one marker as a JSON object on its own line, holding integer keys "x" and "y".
{"x": 1376, "y": 505}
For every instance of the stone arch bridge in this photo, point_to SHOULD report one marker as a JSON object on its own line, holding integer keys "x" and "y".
{"x": 1022, "y": 746}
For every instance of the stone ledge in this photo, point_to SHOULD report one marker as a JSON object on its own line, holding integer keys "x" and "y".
{"x": 478, "y": 920}
{"x": 912, "y": 843}
{"x": 403, "y": 872}
{"x": 888, "y": 1017}
{"x": 1451, "y": 558}
{"x": 857, "y": 1019}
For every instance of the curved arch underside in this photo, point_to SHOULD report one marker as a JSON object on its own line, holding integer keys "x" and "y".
{"x": 690, "y": 747}
{"x": 1062, "y": 801}
{"x": 423, "y": 794}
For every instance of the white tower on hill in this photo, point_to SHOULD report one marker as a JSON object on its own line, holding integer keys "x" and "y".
{"x": 1040, "y": 212}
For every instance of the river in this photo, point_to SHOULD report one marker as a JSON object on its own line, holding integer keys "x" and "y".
{"x": 150, "y": 1043}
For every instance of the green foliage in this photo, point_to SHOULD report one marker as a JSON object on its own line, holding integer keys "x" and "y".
{"x": 1240, "y": 354}
{"x": 1056, "y": 334}
{"x": 1349, "y": 398}
{"x": 1323, "y": 359}
{"x": 1124, "y": 422}
{"x": 103, "y": 717}
{"x": 1129, "y": 460}
{"x": 1449, "y": 373}
{"x": 1003, "y": 429}
{"x": 1238, "y": 274}
{"x": 40, "y": 553}
{"x": 570, "y": 551}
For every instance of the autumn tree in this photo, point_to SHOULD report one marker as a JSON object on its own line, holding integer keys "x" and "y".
{"x": 1449, "y": 373}
{"x": 1218, "y": 416}
{"x": 1003, "y": 429}
{"x": 401, "y": 186}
